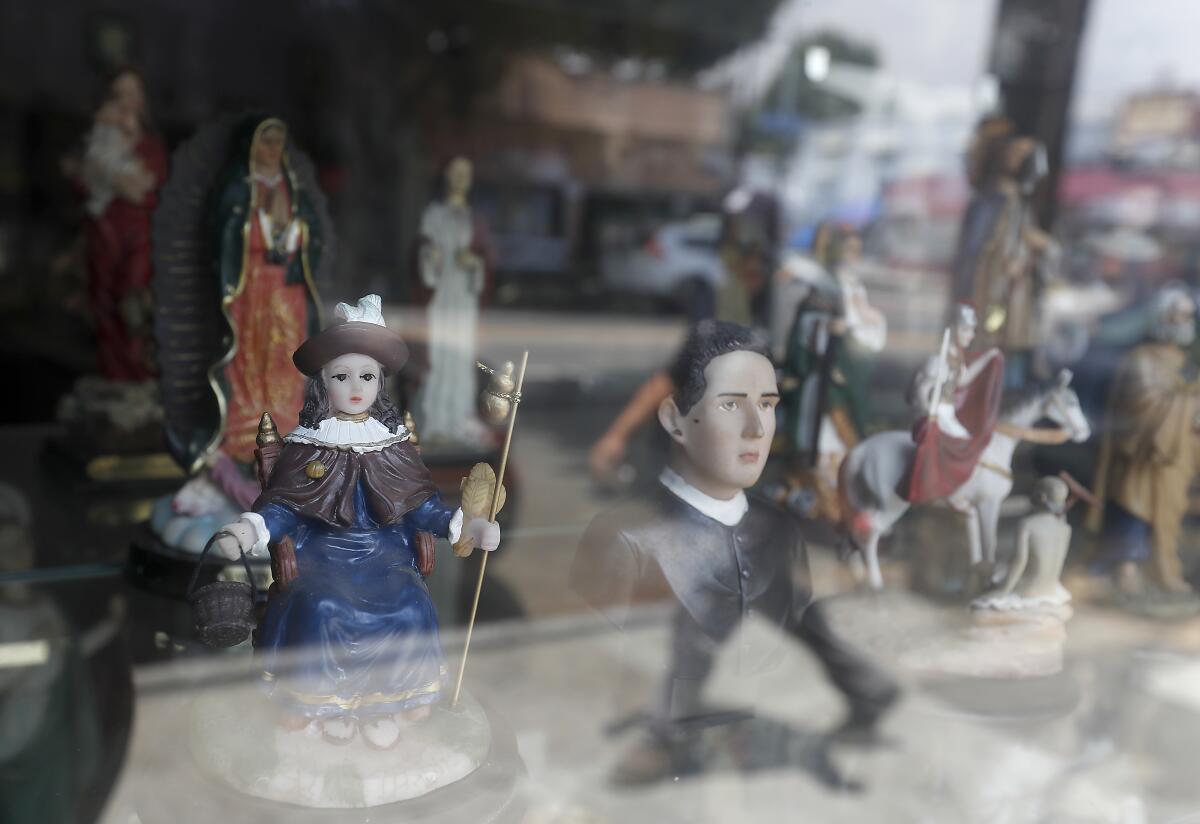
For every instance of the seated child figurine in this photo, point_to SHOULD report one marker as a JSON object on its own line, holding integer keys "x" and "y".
{"x": 340, "y": 512}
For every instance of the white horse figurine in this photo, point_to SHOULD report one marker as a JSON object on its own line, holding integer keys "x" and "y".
{"x": 871, "y": 473}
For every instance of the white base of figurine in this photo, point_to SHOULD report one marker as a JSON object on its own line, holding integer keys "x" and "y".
{"x": 1015, "y": 604}
{"x": 937, "y": 641}
{"x": 238, "y": 743}
{"x": 469, "y": 433}
{"x": 999, "y": 643}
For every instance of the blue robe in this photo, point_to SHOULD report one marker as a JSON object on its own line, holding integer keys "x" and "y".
{"x": 359, "y": 613}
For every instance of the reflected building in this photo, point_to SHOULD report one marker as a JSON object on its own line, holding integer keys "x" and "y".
{"x": 1158, "y": 128}
{"x": 572, "y": 157}
{"x": 906, "y": 131}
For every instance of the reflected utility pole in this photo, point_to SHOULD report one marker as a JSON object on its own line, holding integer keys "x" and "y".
{"x": 1034, "y": 55}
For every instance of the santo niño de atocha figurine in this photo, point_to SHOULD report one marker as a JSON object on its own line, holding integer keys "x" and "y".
{"x": 722, "y": 554}
{"x": 342, "y": 512}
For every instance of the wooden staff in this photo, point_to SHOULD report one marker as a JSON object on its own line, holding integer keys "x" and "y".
{"x": 512, "y": 422}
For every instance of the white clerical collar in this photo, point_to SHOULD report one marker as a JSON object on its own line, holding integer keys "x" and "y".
{"x": 728, "y": 512}
{"x": 357, "y": 436}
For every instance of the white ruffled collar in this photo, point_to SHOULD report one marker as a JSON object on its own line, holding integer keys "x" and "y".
{"x": 356, "y": 436}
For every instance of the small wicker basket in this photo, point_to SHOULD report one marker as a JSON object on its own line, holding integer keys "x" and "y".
{"x": 223, "y": 611}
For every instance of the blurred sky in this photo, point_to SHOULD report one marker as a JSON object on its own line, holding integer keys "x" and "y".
{"x": 1132, "y": 45}
{"x": 1129, "y": 45}
{"x": 939, "y": 42}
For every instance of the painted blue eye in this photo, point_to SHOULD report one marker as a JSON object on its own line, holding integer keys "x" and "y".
{"x": 368, "y": 376}
{"x": 339, "y": 377}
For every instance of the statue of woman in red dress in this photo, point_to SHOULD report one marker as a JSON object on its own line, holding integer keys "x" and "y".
{"x": 124, "y": 165}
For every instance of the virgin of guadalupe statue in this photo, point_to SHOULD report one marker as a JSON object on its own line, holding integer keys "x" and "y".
{"x": 453, "y": 263}
{"x": 262, "y": 218}
{"x": 241, "y": 240}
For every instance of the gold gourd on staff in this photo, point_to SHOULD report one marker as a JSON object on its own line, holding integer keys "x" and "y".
{"x": 499, "y": 402}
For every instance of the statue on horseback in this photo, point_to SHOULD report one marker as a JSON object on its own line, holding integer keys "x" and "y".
{"x": 960, "y": 449}
{"x": 958, "y": 391}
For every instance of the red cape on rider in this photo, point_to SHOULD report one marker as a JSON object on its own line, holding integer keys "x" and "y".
{"x": 943, "y": 463}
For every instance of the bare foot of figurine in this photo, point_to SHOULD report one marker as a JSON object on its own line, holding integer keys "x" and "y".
{"x": 981, "y": 579}
{"x": 1128, "y": 579}
{"x": 292, "y": 723}
{"x": 416, "y": 713}
{"x": 381, "y": 732}
{"x": 1178, "y": 587}
{"x": 338, "y": 730}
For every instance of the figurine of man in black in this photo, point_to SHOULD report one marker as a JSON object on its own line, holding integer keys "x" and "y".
{"x": 723, "y": 555}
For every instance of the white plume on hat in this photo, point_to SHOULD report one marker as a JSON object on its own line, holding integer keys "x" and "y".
{"x": 368, "y": 310}
{"x": 355, "y": 329}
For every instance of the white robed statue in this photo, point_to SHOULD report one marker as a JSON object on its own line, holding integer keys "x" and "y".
{"x": 452, "y": 265}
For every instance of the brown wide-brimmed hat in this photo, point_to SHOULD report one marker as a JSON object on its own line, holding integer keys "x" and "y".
{"x": 356, "y": 329}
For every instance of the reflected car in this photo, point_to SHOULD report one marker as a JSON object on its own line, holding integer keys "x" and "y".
{"x": 677, "y": 262}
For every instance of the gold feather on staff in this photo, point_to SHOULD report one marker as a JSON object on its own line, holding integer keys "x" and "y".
{"x": 477, "y": 491}
{"x": 512, "y": 398}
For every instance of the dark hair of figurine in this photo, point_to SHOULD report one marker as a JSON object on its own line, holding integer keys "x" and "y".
{"x": 114, "y": 74}
{"x": 316, "y": 405}
{"x": 709, "y": 339}
{"x": 823, "y": 242}
{"x": 441, "y": 186}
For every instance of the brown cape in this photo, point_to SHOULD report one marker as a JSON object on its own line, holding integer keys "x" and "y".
{"x": 395, "y": 481}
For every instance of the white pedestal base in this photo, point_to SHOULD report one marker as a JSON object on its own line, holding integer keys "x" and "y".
{"x": 238, "y": 743}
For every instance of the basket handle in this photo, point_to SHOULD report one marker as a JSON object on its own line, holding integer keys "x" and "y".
{"x": 200, "y": 563}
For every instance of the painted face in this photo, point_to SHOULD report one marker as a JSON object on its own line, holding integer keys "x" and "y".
{"x": 1180, "y": 322}
{"x": 851, "y": 249}
{"x": 352, "y": 382}
{"x": 1032, "y": 169}
{"x": 727, "y": 433}
{"x": 111, "y": 114}
{"x": 458, "y": 176}
{"x": 129, "y": 93}
{"x": 268, "y": 149}
{"x": 964, "y": 331}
